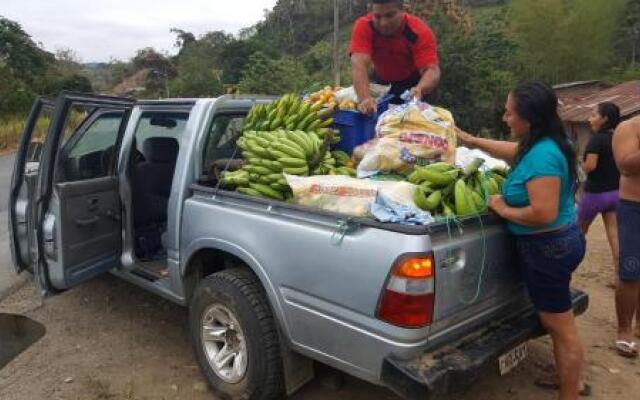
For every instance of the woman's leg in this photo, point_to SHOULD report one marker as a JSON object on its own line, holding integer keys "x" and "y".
{"x": 611, "y": 227}
{"x": 585, "y": 225}
{"x": 587, "y": 211}
{"x": 567, "y": 351}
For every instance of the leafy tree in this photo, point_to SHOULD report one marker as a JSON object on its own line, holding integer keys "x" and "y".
{"x": 161, "y": 71}
{"x": 235, "y": 56}
{"x": 563, "y": 40}
{"x": 477, "y": 71}
{"x": 19, "y": 53}
{"x": 628, "y": 43}
{"x": 272, "y": 76}
{"x": 183, "y": 39}
{"x": 151, "y": 59}
{"x": 198, "y": 72}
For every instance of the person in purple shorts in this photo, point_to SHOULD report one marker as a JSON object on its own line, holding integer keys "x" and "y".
{"x": 603, "y": 180}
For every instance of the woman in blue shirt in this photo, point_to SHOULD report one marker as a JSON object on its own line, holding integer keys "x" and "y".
{"x": 539, "y": 205}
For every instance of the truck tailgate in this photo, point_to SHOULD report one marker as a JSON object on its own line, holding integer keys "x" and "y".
{"x": 476, "y": 276}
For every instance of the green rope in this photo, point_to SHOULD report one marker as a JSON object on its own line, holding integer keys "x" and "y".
{"x": 480, "y": 279}
{"x": 343, "y": 226}
{"x": 449, "y": 258}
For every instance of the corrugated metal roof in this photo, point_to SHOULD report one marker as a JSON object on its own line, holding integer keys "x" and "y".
{"x": 625, "y": 96}
{"x": 575, "y": 84}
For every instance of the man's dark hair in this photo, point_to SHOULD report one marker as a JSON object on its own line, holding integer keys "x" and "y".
{"x": 611, "y": 112}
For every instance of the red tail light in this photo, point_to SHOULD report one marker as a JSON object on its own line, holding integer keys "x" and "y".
{"x": 408, "y": 299}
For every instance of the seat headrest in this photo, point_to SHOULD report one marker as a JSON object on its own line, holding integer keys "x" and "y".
{"x": 160, "y": 150}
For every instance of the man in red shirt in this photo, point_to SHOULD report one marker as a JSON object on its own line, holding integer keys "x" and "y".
{"x": 402, "y": 49}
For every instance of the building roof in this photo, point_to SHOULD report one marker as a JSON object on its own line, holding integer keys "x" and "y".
{"x": 575, "y": 84}
{"x": 626, "y": 96}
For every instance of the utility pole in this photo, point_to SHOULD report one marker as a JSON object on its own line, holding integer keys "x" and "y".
{"x": 336, "y": 49}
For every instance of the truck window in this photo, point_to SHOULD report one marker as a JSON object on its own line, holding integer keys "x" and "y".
{"x": 38, "y": 137}
{"x": 154, "y": 124}
{"x": 221, "y": 139}
{"x": 90, "y": 155}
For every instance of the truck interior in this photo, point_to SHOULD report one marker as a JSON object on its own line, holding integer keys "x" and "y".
{"x": 154, "y": 156}
{"x": 221, "y": 152}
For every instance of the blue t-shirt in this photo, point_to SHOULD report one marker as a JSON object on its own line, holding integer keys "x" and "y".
{"x": 545, "y": 159}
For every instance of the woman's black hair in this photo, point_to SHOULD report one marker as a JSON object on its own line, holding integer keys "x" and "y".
{"x": 611, "y": 112}
{"x": 537, "y": 103}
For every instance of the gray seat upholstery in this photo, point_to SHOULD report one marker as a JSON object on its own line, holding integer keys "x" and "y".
{"x": 152, "y": 180}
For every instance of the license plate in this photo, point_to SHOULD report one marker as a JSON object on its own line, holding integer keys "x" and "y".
{"x": 511, "y": 359}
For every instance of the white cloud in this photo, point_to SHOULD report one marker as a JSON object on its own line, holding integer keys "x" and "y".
{"x": 98, "y": 30}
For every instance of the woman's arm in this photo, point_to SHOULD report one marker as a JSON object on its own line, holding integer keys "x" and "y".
{"x": 590, "y": 163}
{"x": 544, "y": 198}
{"x": 501, "y": 149}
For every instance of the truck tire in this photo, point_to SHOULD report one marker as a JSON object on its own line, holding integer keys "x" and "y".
{"x": 235, "y": 337}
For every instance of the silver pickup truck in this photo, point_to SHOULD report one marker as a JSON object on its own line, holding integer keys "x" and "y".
{"x": 105, "y": 184}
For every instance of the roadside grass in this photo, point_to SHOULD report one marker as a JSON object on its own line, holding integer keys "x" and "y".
{"x": 12, "y": 129}
{"x": 10, "y": 132}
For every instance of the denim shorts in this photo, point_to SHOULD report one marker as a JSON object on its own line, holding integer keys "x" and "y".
{"x": 629, "y": 237}
{"x": 546, "y": 262}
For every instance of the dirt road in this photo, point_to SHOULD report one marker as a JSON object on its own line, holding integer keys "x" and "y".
{"x": 110, "y": 340}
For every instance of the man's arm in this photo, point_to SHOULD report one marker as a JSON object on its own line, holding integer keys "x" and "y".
{"x": 430, "y": 78}
{"x": 626, "y": 147}
{"x": 360, "y": 73}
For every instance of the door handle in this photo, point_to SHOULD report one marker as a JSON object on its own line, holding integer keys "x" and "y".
{"x": 112, "y": 215}
{"x": 454, "y": 258}
{"x": 92, "y": 204}
{"x": 87, "y": 221}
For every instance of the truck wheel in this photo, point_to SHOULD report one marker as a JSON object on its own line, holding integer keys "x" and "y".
{"x": 235, "y": 337}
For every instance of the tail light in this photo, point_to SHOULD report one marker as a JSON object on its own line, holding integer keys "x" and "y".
{"x": 408, "y": 298}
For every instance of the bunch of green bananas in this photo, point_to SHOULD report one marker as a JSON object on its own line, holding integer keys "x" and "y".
{"x": 344, "y": 164}
{"x": 289, "y": 113}
{"x": 269, "y": 155}
{"x": 448, "y": 191}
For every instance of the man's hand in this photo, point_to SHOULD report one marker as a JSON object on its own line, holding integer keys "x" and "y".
{"x": 368, "y": 106}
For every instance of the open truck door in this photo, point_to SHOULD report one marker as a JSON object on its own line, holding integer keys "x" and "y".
{"x": 66, "y": 215}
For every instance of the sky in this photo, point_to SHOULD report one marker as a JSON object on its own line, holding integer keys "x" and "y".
{"x": 99, "y": 30}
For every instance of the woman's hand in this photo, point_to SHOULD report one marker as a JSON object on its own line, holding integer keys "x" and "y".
{"x": 463, "y": 137}
{"x": 498, "y": 205}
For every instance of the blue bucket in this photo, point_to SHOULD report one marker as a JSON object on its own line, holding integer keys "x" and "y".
{"x": 357, "y": 128}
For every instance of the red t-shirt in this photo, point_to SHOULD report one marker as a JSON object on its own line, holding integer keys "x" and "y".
{"x": 397, "y": 57}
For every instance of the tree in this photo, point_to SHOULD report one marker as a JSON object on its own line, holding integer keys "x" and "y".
{"x": 183, "y": 39}
{"x": 161, "y": 71}
{"x": 22, "y": 68}
{"x": 235, "y": 57}
{"x": 64, "y": 74}
{"x": 477, "y": 71}
{"x": 628, "y": 43}
{"x": 198, "y": 72}
{"x": 266, "y": 75}
{"x": 19, "y": 53}
{"x": 564, "y": 40}
{"x": 151, "y": 59}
